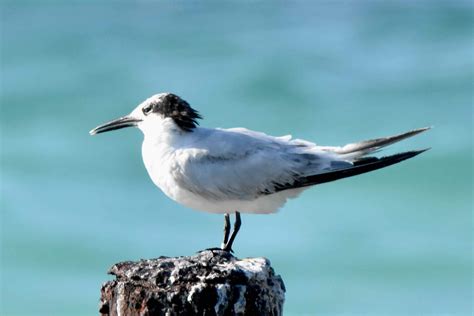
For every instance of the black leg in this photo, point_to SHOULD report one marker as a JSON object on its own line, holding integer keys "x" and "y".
{"x": 226, "y": 229}
{"x": 237, "y": 224}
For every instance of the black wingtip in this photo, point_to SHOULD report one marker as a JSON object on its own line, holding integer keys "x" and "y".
{"x": 403, "y": 156}
{"x": 361, "y": 166}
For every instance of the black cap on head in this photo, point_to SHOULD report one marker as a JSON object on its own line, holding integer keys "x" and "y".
{"x": 170, "y": 105}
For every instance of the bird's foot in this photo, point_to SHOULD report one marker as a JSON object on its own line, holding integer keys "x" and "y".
{"x": 214, "y": 249}
{"x": 220, "y": 249}
{"x": 227, "y": 248}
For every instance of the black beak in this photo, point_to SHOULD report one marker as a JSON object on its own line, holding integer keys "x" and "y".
{"x": 122, "y": 122}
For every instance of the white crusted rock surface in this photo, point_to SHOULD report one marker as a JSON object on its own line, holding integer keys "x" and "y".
{"x": 212, "y": 282}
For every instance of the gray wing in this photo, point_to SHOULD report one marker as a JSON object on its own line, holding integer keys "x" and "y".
{"x": 250, "y": 165}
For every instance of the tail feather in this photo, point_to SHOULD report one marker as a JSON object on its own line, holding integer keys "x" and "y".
{"x": 360, "y": 149}
{"x": 361, "y": 166}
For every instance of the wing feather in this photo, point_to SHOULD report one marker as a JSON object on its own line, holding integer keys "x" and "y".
{"x": 248, "y": 164}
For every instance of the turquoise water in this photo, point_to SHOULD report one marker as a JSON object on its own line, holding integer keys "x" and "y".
{"x": 394, "y": 242}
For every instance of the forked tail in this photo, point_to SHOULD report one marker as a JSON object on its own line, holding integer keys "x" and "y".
{"x": 356, "y": 150}
{"x": 357, "y": 161}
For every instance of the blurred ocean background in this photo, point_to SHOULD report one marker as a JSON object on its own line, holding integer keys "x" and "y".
{"x": 392, "y": 242}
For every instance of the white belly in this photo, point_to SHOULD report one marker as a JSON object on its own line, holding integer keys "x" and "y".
{"x": 264, "y": 204}
{"x": 162, "y": 166}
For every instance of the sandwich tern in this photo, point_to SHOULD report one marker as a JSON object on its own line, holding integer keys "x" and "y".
{"x": 229, "y": 171}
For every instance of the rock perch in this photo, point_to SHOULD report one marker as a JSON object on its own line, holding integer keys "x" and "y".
{"x": 212, "y": 282}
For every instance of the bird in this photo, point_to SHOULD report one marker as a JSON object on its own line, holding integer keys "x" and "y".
{"x": 237, "y": 170}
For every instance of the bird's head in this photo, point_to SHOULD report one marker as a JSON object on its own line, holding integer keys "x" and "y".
{"x": 164, "y": 111}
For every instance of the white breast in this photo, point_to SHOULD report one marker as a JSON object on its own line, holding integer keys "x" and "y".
{"x": 160, "y": 163}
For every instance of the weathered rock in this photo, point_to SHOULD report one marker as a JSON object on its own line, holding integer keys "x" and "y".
{"x": 212, "y": 282}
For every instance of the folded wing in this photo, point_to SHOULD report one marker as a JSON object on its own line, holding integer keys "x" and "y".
{"x": 252, "y": 164}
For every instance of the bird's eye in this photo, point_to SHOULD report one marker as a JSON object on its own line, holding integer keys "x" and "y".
{"x": 147, "y": 109}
